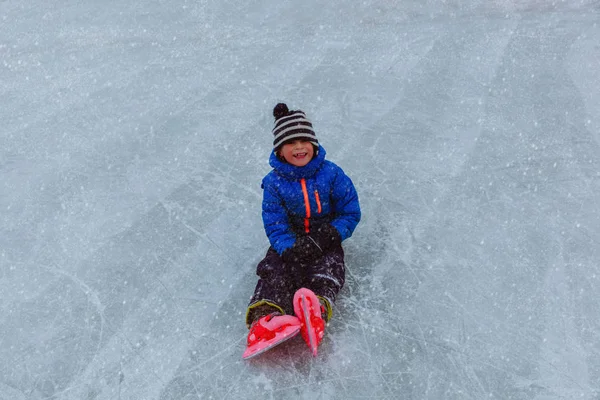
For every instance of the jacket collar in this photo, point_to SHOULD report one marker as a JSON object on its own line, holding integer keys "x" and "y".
{"x": 292, "y": 172}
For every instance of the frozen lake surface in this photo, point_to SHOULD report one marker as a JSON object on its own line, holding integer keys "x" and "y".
{"x": 134, "y": 138}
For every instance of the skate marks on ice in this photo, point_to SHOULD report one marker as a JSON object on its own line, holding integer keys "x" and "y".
{"x": 506, "y": 238}
{"x": 120, "y": 323}
{"x": 485, "y": 200}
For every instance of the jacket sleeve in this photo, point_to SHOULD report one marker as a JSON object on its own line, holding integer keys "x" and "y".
{"x": 345, "y": 204}
{"x": 275, "y": 219}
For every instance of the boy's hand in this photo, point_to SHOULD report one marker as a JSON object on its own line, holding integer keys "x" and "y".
{"x": 304, "y": 250}
{"x": 326, "y": 236}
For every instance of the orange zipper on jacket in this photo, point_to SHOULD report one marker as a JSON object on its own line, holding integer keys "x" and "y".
{"x": 306, "y": 205}
{"x": 318, "y": 201}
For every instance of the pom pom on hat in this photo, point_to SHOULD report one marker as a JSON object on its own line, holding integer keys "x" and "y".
{"x": 291, "y": 125}
{"x": 280, "y": 110}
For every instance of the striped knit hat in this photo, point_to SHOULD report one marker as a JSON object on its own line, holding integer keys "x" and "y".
{"x": 291, "y": 125}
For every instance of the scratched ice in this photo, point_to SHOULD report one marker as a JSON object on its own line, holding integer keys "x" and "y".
{"x": 133, "y": 139}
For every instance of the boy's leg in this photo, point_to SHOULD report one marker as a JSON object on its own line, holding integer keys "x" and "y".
{"x": 275, "y": 288}
{"x": 326, "y": 278}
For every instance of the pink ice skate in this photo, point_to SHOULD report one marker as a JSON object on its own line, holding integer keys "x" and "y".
{"x": 308, "y": 311}
{"x": 269, "y": 331}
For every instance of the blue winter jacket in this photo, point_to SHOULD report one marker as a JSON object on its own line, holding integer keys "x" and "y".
{"x": 297, "y": 200}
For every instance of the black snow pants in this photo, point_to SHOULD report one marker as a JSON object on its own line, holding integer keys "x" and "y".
{"x": 278, "y": 281}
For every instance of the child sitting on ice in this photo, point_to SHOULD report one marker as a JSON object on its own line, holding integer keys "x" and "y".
{"x": 309, "y": 207}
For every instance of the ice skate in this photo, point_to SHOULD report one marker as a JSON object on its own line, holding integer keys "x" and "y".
{"x": 308, "y": 311}
{"x": 270, "y": 331}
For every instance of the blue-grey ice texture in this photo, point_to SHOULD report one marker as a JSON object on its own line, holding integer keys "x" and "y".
{"x": 133, "y": 138}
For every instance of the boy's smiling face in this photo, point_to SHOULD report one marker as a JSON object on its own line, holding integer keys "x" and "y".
{"x": 298, "y": 153}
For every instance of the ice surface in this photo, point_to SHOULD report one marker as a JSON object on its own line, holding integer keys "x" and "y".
{"x": 134, "y": 138}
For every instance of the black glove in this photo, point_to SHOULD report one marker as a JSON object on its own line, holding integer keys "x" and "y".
{"x": 304, "y": 250}
{"x": 326, "y": 236}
